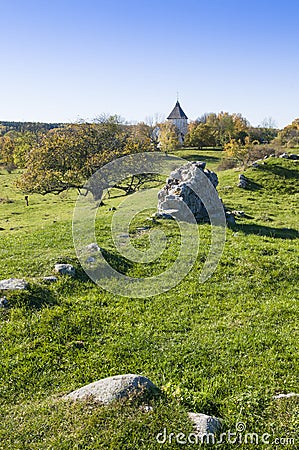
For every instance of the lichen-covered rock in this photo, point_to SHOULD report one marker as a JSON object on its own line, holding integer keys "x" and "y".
{"x": 243, "y": 181}
{"x": 289, "y": 395}
{"x": 13, "y": 284}
{"x": 50, "y": 279}
{"x": 204, "y": 424}
{"x": 65, "y": 269}
{"x": 179, "y": 191}
{"x": 3, "y": 302}
{"x": 113, "y": 388}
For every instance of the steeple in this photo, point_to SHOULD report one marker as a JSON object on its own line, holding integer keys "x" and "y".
{"x": 177, "y": 113}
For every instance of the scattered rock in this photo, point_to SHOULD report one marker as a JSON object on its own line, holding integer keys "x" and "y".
{"x": 230, "y": 218}
{"x": 204, "y": 424}
{"x": 93, "y": 247}
{"x": 143, "y": 228}
{"x": 3, "y": 302}
{"x": 13, "y": 284}
{"x": 291, "y": 394}
{"x": 243, "y": 181}
{"x": 112, "y": 209}
{"x": 65, "y": 269}
{"x": 284, "y": 155}
{"x": 50, "y": 279}
{"x": 179, "y": 190}
{"x": 294, "y": 157}
{"x": 114, "y": 388}
{"x": 90, "y": 259}
{"x": 238, "y": 213}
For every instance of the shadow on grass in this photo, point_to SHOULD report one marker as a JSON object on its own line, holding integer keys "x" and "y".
{"x": 252, "y": 185}
{"x": 34, "y": 297}
{"x": 198, "y": 157}
{"x": 261, "y": 230}
{"x": 280, "y": 171}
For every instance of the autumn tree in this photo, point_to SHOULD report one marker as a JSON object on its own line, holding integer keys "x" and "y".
{"x": 67, "y": 156}
{"x": 200, "y": 135}
{"x": 168, "y": 137}
{"x": 217, "y": 130}
{"x": 289, "y": 136}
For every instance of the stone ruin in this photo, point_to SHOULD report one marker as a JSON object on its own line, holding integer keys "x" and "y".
{"x": 178, "y": 190}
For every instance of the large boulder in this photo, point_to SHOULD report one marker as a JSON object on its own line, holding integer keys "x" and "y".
{"x": 179, "y": 190}
{"x": 113, "y": 388}
{"x": 13, "y": 284}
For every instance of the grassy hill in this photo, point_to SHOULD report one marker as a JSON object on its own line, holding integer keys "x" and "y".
{"x": 224, "y": 347}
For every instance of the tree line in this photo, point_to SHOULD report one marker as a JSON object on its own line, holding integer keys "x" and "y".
{"x": 57, "y": 157}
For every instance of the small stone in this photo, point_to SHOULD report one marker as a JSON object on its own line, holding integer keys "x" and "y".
{"x": 50, "y": 279}
{"x": 291, "y": 394}
{"x": 90, "y": 259}
{"x": 65, "y": 269}
{"x": 238, "y": 213}
{"x": 243, "y": 181}
{"x": 293, "y": 157}
{"x": 284, "y": 155}
{"x": 230, "y": 219}
{"x": 204, "y": 424}
{"x": 93, "y": 247}
{"x": 114, "y": 388}
{"x": 13, "y": 284}
{"x": 3, "y": 302}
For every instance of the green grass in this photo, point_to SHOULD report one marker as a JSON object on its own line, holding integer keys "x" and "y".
{"x": 224, "y": 347}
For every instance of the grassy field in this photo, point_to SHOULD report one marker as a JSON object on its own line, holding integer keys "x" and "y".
{"x": 224, "y": 347}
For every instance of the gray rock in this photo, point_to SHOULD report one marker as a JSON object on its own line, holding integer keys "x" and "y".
{"x": 3, "y": 302}
{"x": 290, "y": 395}
{"x": 294, "y": 157}
{"x": 13, "y": 284}
{"x": 179, "y": 191}
{"x": 114, "y": 388}
{"x": 204, "y": 424}
{"x": 230, "y": 218}
{"x": 238, "y": 213}
{"x": 284, "y": 155}
{"x": 93, "y": 247}
{"x": 243, "y": 181}
{"x": 50, "y": 279}
{"x": 91, "y": 259}
{"x": 65, "y": 269}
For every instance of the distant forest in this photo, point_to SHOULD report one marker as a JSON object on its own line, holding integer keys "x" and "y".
{"x": 22, "y": 127}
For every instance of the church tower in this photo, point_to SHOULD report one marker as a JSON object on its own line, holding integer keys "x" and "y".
{"x": 180, "y": 120}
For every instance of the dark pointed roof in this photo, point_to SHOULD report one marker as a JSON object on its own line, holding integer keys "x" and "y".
{"x": 177, "y": 112}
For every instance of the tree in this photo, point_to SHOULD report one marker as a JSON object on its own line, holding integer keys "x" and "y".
{"x": 289, "y": 136}
{"x": 67, "y": 156}
{"x": 168, "y": 137}
{"x": 200, "y": 135}
{"x": 217, "y": 129}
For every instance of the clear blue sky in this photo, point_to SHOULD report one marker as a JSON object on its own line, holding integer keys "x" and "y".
{"x": 64, "y": 60}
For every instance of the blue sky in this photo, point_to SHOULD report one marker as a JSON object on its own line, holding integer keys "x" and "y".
{"x": 64, "y": 60}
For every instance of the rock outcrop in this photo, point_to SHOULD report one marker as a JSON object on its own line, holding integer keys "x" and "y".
{"x": 114, "y": 388}
{"x": 13, "y": 284}
{"x": 180, "y": 188}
